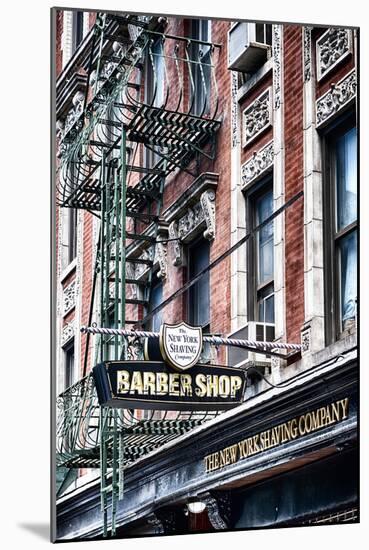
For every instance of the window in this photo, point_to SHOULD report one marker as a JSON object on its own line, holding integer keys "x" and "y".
{"x": 200, "y": 57}
{"x": 155, "y": 74}
{"x": 261, "y": 256}
{"x": 69, "y": 365}
{"x": 156, "y": 298}
{"x": 77, "y": 26}
{"x": 154, "y": 90}
{"x": 199, "y": 293}
{"x": 263, "y": 33}
{"x": 341, "y": 229}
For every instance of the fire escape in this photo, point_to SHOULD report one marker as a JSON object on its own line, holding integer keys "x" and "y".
{"x": 150, "y": 108}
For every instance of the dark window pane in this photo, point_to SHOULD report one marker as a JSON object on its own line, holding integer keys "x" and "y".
{"x": 259, "y": 33}
{"x": 348, "y": 261}
{"x": 266, "y": 304}
{"x": 69, "y": 366}
{"x": 72, "y": 234}
{"x": 264, "y": 209}
{"x": 156, "y": 298}
{"x": 201, "y": 74}
{"x": 346, "y": 170}
{"x": 268, "y": 32}
{"x": 199, "y": 293}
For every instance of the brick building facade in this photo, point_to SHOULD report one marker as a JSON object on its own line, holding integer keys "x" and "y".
{"x": 283, "y": 139}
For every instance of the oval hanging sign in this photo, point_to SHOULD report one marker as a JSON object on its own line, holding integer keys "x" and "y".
{"x": 180, "y": 345}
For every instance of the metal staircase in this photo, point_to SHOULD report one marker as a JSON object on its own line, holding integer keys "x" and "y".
{"x": 103, "y": 171}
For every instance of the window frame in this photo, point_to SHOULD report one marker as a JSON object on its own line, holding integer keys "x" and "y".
{"x": 67, "y": 349}
{"x": 334, "y": 330}
{"x": 252, "y": 195}
{"x": 190, "y": 248}
{"x": 155, "y": 283}
{"x": 197, "y": 33}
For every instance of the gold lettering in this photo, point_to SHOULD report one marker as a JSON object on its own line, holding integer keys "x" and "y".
{"x": 201, "y": 386}
{"x": 315, "y": 421}
{"x": 256, "y": 445}
{"x": 233, "y": 453}
{"x": 328, "y": 413}
{"x": 335, "y": 412}
{"x": 236, "y": 383}
{"x": 241, "y": 448}
{"x": 123, "y": 381}
{"x": 212, "y": 385}
{"x": 224, "y": 386}
{"x": 174, "y": 384}
{"x": 136, "y": 384}
{"x": 149, "y": 387}
{"x": 308, "y": 423}
{"x": 161, "y": 383}
{"x": 344, "y": 404}
{"x": 186, "y": 386}
{"x": 294, "y": 429}
{"x": 302, "y": 425}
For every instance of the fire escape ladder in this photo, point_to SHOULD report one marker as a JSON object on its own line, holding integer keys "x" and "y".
{"x": 99, "y": 172}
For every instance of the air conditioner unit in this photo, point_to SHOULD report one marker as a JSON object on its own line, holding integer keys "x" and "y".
{"x": 260, "y": 332}
{"x": 245, "y": 54}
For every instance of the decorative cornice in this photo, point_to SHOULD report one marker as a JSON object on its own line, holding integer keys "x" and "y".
{"x": 69, "y": 297}
{"x": 67, "y": 333}
{"x": 305, "y": 339}
{"x": 257, "y": 117}
{"x": 234, "y": 112}
{"x": 339, "y": 96}
{"x": 219, "y": 508}
{"x": 331, "y": 48}
{"x": 190, "y": 196}
{"x": 307, "y": 53}
{"x": 277, "y": 71}
{"x": 191, "y": 214}
{"x": 258, "y": 165}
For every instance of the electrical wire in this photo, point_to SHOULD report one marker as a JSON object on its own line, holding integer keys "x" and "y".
{"x": 218, "y": 260}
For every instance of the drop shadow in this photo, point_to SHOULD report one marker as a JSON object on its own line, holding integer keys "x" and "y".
{"x": 42, "y": 530}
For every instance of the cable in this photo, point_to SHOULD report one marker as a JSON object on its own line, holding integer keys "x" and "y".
{"x": 218, "y": 260}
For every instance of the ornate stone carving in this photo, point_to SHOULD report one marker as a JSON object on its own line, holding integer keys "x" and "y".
{"x": 333, "y": 46}
{"x": 307, "y": 53}
{"x": 161, "y": 256}
{"x": 257, "y": 117}
{"x": 260, "y": 162}
{"x": 339, "y": 96}
{"x": 305, "y": 339}
{"x": 187, "y": 223}
{"x": 234, "y": 112}
{"x": 176, "y": 246}
{"x": 67, "y": 333}
{"x": 277, "y": 63}
{"x": 69, "y": 297}
{"x": 207, "y": 201}
{"x": 218, "y": 504}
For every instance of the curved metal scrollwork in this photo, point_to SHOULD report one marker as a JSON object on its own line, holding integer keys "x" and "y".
{"x": 180, "y": 101}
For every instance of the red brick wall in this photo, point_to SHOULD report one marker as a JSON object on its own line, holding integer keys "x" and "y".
{"x": 87, "y": 275}
{"x": 294, "y": 218}
{"x": 220, "y": 276}
{"x": 58, "y": 50}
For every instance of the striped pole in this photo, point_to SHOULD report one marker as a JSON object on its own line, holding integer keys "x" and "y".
{"x": 215, "y": 340}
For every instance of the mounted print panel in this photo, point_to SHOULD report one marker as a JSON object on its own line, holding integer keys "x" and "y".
{"x": 206, "y": 244}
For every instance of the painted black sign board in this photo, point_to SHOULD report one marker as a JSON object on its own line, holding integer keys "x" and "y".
{"x": 152, "y": 385}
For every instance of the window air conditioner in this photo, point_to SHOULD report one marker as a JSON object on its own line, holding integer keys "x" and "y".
{"x": 245, "y": 54}
{"x": 239, "y": 357}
